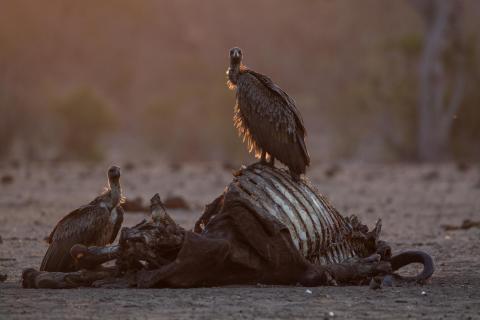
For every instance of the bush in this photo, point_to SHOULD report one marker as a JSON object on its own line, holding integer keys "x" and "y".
{"x": 86, "y": 119}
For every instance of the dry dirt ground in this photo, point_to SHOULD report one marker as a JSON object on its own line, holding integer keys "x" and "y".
{"x": 413, "y": 201}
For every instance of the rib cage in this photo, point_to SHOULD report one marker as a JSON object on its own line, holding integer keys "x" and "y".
{"x": 318, "y": 231}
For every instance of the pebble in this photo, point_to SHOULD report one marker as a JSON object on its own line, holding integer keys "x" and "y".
{"x": 387, "y": 281}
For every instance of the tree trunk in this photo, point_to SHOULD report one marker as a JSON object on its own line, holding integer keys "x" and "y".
{"x": 441, "y": 80}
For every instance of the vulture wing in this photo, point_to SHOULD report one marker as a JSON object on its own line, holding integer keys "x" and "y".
{"x": 267, "y": 82}
{"x": 280, "y": 131}
{"x": 84, "y": 226}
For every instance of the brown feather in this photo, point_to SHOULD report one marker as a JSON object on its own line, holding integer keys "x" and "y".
{"x": 89, "y": 225}
{"x": 268, "y": 120}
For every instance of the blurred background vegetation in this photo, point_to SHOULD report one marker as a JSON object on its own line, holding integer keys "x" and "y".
{"x": 81, "y": 80}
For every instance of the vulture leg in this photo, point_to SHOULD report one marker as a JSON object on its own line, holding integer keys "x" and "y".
{"x": 271, "y": 161}
{"x": 263, "y": 159}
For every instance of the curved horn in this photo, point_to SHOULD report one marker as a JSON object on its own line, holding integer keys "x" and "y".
{"x": 402, "y": 259}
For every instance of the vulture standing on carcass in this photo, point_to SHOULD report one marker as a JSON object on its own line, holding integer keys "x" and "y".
{"x": 267, "y": 117}
{"x": 95, "y": 224}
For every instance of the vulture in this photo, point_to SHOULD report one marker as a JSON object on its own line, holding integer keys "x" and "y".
{"x": 94, "y": 224}
{"x": 267, "y": 118}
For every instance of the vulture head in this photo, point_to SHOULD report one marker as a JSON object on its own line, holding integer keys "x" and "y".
{"x": 235, "y": 55}
{"x": 114, "y": 173}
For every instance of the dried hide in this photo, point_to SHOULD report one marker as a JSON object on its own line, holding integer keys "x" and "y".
{"x": 265, "y": 228}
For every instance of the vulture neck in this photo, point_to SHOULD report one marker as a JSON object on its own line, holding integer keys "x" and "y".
{"x": 115, "y": 193}
{"x": 234, "y": 71}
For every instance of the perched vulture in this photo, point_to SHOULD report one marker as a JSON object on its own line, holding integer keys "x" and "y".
{"x": 95, "y": 224}
{"x": 267, "y": 118}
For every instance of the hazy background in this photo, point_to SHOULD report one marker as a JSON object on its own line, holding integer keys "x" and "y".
{"x": 90, "y": 80}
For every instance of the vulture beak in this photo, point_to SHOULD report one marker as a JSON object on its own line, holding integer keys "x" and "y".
{"x": 235, "y": 54}
{"x": 114, "y": 172}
